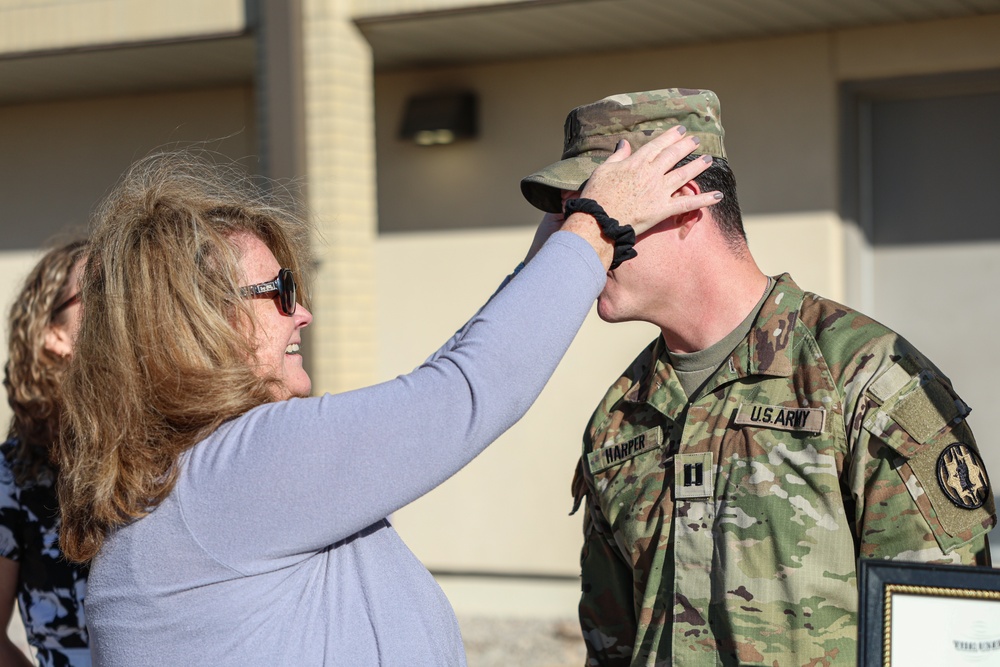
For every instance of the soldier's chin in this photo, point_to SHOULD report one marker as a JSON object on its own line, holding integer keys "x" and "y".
{"x": 607, "y": 313}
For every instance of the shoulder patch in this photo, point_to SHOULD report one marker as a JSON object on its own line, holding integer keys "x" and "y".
{"x": 951, "y": 488}
{"x": 962, "y": 476}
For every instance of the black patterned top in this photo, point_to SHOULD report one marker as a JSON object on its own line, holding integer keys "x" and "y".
{"x": 50, "y": 589}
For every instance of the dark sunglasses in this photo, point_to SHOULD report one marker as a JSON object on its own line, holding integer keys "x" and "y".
{"x": 283, "y": 286}
{"x": 66, "y": 304}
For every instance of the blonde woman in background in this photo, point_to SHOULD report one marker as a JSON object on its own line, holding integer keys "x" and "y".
{"x": 43, "y": 323}
{"x": 234, "y": 520}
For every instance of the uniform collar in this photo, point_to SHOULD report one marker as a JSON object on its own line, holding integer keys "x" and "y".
{"x": 767, "y": 350}
{"x": 659, "y": 386}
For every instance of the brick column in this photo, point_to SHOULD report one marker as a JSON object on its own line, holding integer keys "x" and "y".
{"x": 340, "y": 163}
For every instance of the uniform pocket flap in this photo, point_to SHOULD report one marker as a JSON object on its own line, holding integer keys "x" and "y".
{"x": 919, "y": 408}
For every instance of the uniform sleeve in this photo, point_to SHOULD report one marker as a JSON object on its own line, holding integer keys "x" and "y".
{"x": 919, "y": 483}
{"x": 607, "y": 609}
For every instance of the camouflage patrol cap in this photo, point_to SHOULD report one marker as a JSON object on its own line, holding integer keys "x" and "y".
{"x": 593, "y": 130}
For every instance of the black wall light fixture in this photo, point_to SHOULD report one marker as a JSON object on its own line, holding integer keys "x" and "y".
{"x": 439, "y": 118}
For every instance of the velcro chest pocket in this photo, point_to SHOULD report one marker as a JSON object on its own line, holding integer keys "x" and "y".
{"x": 628, "y": 472}
{"x": 914, "y": 405}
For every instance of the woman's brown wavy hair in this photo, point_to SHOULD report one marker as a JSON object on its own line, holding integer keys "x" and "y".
{"x": 34, "y": 375}
{"x": 163, "y": 356}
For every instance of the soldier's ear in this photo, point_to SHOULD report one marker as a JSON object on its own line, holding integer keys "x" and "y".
{"x": 685, "y": 221}
{"x": 689, "y": 188}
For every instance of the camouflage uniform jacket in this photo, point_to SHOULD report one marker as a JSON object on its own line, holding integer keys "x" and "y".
{"x": 725, "y": 531}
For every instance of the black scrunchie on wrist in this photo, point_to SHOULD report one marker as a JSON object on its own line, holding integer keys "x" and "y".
{"x": 623, "y": 236}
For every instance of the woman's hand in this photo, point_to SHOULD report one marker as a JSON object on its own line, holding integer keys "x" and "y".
{"x": 640, "y": 188}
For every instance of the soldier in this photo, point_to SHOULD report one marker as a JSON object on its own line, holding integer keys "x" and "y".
{"x": 766, "y": 440}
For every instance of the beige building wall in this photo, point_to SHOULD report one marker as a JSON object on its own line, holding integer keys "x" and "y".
{"x": 42, "y": 25}
{"x": 396, "y": 279}
{"x": 60, "y": 158}
{"x": 781, "y": 107}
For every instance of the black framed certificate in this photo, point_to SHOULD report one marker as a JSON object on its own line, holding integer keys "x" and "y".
{"x": 921, "y": 614}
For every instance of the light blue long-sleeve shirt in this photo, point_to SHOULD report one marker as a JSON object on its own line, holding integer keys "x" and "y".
{"x": 273, "y": 548}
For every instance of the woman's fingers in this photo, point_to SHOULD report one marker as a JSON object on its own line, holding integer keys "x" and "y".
{"x": 640, "y": 188}
{"x": 669, "y": 205}
{"x": 675, "y": 178}
{"x": 668, "y": 148}
{"x": 688, "y": 203}
{"x": 622, "y": 151}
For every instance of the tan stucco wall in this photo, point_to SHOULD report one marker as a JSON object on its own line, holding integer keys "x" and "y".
{"x": 42, "y": 25}
{"x": 932, "y": 47}
{"x": 507, "y": 510}
{"x": 60, "y": 158}
{"x": 779, "y": 108}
